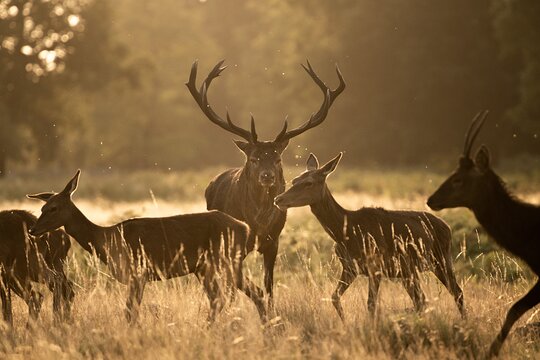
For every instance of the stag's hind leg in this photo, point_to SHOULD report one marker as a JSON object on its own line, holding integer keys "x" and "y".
{"x": 530, "y": 300}
{"x": 411, "y": 282}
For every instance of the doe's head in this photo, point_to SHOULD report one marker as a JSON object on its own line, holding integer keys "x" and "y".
{"x": 58, "y": 208}
{"x": 464, "y": 187}
{"x": 308, "y": 187}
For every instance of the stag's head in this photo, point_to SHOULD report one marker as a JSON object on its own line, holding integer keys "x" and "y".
{"x": 58, "y": 208}
{"x": 465, "y": 185}
{"x": 263, "y": 158}
{"x": 308, "y": 188}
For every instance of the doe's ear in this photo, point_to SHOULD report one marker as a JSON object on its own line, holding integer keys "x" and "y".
{"x": 330, "y": 166}
{"x": 312, "y": 162}
{"x": 482, "y": 159}
{"x": 72, "y": 184}
{"x": 243, "y": 145}
{"x": 44, "y": 196}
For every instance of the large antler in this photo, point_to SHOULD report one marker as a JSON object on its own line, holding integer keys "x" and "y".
{"x": 473, "y": 131}
{"x": 318, "y": 117}
{"x": 201, "y": 98}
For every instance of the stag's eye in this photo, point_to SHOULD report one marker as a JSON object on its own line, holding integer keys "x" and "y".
{"x": 53, "y": 209}
{"x": 308, "y": 184}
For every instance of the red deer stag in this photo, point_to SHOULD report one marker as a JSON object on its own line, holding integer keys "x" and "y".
{"x": 152, "y": 249}
{"x": 513, "y": 224}
{"x": 247, "y": 193}
{"x": 374, "y": 241}
{"x": 25, "y": 259}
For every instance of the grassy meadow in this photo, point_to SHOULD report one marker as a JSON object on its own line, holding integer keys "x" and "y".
{"x": 172, "y": 323}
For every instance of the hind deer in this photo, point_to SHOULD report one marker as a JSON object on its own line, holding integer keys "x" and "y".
{"x": 512, "y": 223}
{"x": 247, "y": 193}
{"x": 139, "y": 250}
{"x": 374, "y": 241}
{"x": 25, "y": 259}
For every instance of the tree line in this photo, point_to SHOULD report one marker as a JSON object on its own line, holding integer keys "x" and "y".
{"x": 100, "y": 84}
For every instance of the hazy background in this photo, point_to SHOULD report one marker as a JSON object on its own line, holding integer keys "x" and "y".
{"x": 99, "y": 84}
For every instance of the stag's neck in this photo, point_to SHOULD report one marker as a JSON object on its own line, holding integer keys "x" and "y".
{"x": 89, "y": 235}
{"x": 499, "y": 212}
{"x": 331, "y": 215}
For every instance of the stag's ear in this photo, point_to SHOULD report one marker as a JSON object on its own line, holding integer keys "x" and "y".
{"x": 243, "y": 145}
{"x": 312, "y": 162}
{"x": 282, "y": 145}
{"x": 482, "y": 159}
{"x": 45, "y": 196}
{"x": 330, "y": 166}
{"x": 72, "y": 184}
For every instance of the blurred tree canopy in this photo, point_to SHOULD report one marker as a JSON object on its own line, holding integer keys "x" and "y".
{"x": 100, "y": 84}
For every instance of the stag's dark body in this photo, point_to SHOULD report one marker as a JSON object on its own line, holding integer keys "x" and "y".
{"x": 25, "y": 259}
{"x": 233, "y": 193}
{"x": 513, "y": 224}
{"x": 248, "y": 193}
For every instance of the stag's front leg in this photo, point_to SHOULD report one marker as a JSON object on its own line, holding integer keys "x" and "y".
{"x": 530, "y": 300}
{"x": 5, "y": 295}
{"x": 269, "y": 257}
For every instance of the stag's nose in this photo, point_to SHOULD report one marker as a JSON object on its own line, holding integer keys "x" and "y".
{"x": 267, "y": 178}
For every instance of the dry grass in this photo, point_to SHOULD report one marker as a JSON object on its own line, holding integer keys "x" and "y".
{"x": 305, "y": 324}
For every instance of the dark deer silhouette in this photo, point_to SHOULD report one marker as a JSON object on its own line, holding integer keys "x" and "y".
{"x": 138, "y": 250}
{"x": 25, "y": 259}
{"x": 248, "y": 193}
{"x": 513, "y": 224}
{"x": 374, "y": 241}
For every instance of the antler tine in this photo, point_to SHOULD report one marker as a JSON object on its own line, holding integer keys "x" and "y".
{"x": 480, "y": 122}
{"x": 253, "y": 131}
{"x": 201, "y": 98}
{"x": 315, "y": 118}
{"x": 474, "y": 129}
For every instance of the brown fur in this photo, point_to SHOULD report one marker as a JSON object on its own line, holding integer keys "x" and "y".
{"x": 209, "y": 245}
{"x": 248, "y": 193}
{"x": 376, "y": 242}
{"x": 25, "y": 259}
{"x": 513, "y": 224}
